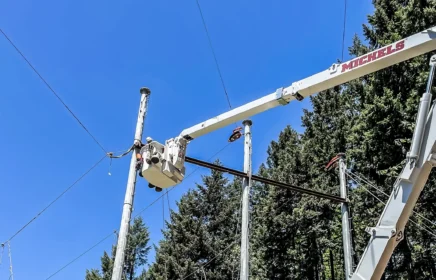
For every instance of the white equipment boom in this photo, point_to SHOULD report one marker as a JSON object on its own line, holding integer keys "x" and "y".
{"x": 163, "y": 165}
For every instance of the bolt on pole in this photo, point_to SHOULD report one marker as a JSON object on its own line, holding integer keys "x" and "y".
{"x": 346, "y": 232}
{"x": 130, "y": 189}
{"x": 246, "y": 185}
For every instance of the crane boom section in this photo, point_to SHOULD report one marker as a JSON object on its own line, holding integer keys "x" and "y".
{"x": 404, "y": 49}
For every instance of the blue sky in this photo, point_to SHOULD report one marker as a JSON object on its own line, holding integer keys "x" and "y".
{"x": 96, "y": 55}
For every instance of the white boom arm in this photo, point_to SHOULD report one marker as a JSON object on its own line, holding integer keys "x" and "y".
{"x": 163, "y": 165}
{"x": 337, "y": 74}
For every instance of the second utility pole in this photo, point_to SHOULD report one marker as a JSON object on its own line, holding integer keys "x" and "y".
{"x": 246, "y": 185}
{"x": 117, "y": 271}
{"x": 346, "y": 232}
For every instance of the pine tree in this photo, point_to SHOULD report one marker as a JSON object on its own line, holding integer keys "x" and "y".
{"x": 275, "y": 238}
{"x": 204, "y": 226}
{"x": 136, "y": 255}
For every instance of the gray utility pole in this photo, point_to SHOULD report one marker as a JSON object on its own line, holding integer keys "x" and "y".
{"x": 346, "y": 232}
{"x": 246, "y": 185}
{"x": 130, "y": 190}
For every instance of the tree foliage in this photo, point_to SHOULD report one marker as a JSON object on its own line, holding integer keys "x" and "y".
{"x": 205, "y": 225}
{"x": 136, "y": 255}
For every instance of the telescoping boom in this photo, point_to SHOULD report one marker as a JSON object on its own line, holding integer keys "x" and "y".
{"x": 163, "y": 164}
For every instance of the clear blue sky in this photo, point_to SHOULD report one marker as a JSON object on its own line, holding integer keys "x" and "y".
{"x": 96, "y": 55}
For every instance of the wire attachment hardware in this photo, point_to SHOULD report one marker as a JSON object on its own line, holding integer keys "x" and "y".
{"x": 236, "y": 134}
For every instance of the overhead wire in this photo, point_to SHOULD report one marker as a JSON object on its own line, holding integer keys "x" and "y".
{"x": 139, "y": 213}
{"x": 163, "y": 212}
{"x": 423, "y": 227}
{"x": 172, "y": 188}
{"x": 169, "y": 206}
{"x": 343, "y": 32}
{"x": 111, "y": 154}
{"x": 78, "y": 257}
{"x": 359, "y": 176}
{"x": 53, "y": 91}
{"x": 57, "y": 198}
{"x": 213, "y": 53}
{"x": 415, "y": 223}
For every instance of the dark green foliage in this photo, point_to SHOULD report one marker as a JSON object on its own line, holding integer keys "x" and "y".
{"x": 135, "y": 257}
{"x": 205, "y": 224}
{"x": 380, "y": 137}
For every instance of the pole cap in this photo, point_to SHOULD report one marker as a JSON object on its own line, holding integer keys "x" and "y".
{"x": 145, "y": 90}
{"x": 247, "y": 122}
{"x": 341, "y": 155}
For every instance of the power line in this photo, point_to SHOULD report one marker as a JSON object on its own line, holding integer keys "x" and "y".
{"x": 343, "y": 32}
{"x": 385, "y": 194}
{"x": 169, "y": 206}
{"x": 57, "y": 198}
{"x": 213, "y": 53}
{"x": 78, "y": 257}
{"x": 139, "y": 213}
{"x": 52, "y": 90}
{"x": 423, "y": 227}
{"x": 415, "y": 223}
{"x": 163, "y": 212}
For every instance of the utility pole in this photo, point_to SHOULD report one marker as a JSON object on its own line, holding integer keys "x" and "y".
{"x": 346, "y": 232}
{"x": 130, "y": 189}
{"x": 246, "y": 185}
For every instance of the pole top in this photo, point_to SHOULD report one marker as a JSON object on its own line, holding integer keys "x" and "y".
{"x": 432, "y": 60}
{"x": 247, "y": 122}
{"x": 341, "y": 155}
{"x": 145, "y": 90}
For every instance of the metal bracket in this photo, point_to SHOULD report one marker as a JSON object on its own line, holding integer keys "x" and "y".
{"x": 430, "y": 31}
{"x": 294, "y": 92}
{"x": 432, "y": 60}
{"x": 432, "y": 159}
{"x": 298, "y": 96}
{"x": 334, "y": 68}
{"x": 381, "y": 232}
{"x": 279, "y": 96}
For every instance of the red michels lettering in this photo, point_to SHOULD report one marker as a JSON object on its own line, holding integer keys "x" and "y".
{"x": 372, "y": 56}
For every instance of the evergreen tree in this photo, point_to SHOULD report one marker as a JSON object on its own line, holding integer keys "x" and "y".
{"x": 388, "y": 102}
{"x": 204, "y": 226}
{"x": 275, "y": 242}
{"x": 326, "y": 127}
{"x": 135, "y": 256}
